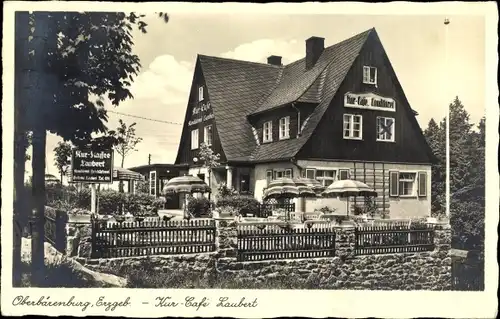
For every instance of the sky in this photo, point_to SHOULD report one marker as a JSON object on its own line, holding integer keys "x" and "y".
{"x": 415, "y": 46}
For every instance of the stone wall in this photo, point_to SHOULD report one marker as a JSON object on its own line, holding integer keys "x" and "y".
{"x": 397, "y": 271}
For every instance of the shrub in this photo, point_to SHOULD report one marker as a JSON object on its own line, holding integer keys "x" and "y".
{"x": 80, "y": 198}
{"x": 243, "y": 205}
{"x": 143, "y": 204}
{"x": 199, "y": 206}
{"x": 327, "y": 210}
{"x": 110, "y": 201}
{"x": 223, "y": 191}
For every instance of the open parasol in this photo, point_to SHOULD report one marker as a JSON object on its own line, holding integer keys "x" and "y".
{"x": 347, "y": 188}
{"x": 187, "y": 184}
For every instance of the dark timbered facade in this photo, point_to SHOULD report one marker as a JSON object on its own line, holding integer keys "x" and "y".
{"x": 338, "y": 113}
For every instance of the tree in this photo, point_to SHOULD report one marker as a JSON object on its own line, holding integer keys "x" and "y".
{"x": 62, "y": 158}
{"x": 467, "y": 180}
{"x": 62, "y": 61}
{"x": 126, "y": 140}
{"x": 209, "y": 160}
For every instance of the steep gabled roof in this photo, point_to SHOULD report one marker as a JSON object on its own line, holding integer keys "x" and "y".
{"x": 235, "y": 89}
{"x": 342, "y": 58}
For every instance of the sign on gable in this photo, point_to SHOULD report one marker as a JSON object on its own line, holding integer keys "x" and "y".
{"x": 370, "y": 101}
{"x": 203, "y": 113}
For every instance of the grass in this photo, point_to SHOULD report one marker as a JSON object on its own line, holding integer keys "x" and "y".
{"x": 56, "y": 276}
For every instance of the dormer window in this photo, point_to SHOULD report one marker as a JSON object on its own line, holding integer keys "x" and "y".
{"x": 369, "y": 75}
{"x": 267, "y": 132}
{"x": 200, "y": 93}
{"x": 285, "y": 128}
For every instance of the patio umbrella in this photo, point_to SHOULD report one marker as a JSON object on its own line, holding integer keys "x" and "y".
{"x": 347, "y": 188}
{"x": 305, "y": 187}
{"x": 281, "y": 188}
{"x": 187, "y": 184}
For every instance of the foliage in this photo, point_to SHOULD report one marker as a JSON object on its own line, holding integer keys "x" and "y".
{"x": 467, "y": 175}
{"x": 467, "y": 223}
{"x": 224, "y": 191}
{"x": 110, "y": 202}
{"x": 62, "y": 159}
{"x": 142, "y": 187}
{"x": 199, "y": 207}
{"x": 126, "y": 140}
{"x": 207, "y": 156}
{"x": 242, "y": 204}
{"x": 142, "y": 204}
{"x": 370, "y": 207}
{"x": 327, "y": 210}
{"x": 358, "y": 210}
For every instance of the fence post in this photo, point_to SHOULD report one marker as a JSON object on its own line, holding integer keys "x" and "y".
{"x": 345, "y": 241}
{"x": 93, "y": 225}
{"x": 60, "y": 231}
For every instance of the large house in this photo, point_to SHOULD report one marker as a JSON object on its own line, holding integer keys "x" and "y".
{"x": 338, "y": 113}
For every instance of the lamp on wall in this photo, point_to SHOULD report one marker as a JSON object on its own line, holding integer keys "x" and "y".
{"x": 195, "y": 159}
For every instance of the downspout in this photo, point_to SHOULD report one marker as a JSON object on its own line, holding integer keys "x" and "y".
{"x": 298, "y": 119}
{"x": 301, "y": 201}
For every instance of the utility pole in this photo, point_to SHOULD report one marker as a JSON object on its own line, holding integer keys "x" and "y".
{"x": 446, "y": 24}
{"x": 149, "y": 159}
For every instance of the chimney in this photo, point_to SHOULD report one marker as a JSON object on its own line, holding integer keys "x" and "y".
{"x": 274, "y": 60}
{"x": 314, "y": 48}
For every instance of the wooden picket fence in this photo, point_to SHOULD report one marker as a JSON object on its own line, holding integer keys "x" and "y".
{"x": 282, "y": 243}
{"x": 128, "y": 239}
{"x": 393, "y": 239}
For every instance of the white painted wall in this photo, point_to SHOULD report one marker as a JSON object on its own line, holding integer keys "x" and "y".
{"x": 399, "y": 207}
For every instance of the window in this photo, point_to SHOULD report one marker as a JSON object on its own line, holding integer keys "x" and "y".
{"x": 385, "y": 129}
{"x": 310, "y": 173}
{"x": 405, "y": 184}
{"x": 326, "y": 177}
{"x": 369, "y": 75}
{"x": 343, "y": 174}
{"x": 194, "y": 139}
{"x": 200, "y": 93}
{"x": 269, "y": 176}
{"x": 267, "y": 134}
{"x": 352, "y": 126}
{"x": 152, "y": 183}
{"x": 283, "y": 173}
{"x": 207, "y": 135}
{"x": 284, "y": 128}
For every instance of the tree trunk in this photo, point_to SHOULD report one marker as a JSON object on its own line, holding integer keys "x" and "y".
{"x": 40, "y": 100}
{"x": 20, "y": 213}
{"x": 38, "y": 213}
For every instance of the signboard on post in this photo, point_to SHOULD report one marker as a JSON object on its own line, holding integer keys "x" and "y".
{"x": 92, "y": 165}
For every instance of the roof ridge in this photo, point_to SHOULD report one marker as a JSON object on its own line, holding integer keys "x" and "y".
{"x": 241, "y": 61}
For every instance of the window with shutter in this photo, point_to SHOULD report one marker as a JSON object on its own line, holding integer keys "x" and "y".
{"x": 422, "y": 184}
{"x": 393, "y": 184}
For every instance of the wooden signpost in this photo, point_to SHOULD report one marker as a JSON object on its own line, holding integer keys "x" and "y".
{"x": 92, "y": 165}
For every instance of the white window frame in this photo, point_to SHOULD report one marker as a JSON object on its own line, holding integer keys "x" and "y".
{"x": 340, "y": 170}
{"x": 350, "y": 128}
{"x": 415, "y": 190}
{"x": 152, "y": 183}
{"x": 267, "y": 132}
{"x": 323, "y": 179}
{"x": 384, "y": 134}
{"x": 207, "y": 136}
{"x": 366, "y": 75}
{"x": 201, "y": 96}
{"x": 195, "y": 139}
{"x": 313, "y": 170}
{"x": 284, "y": 128}
{"x": 284, "y": 173}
